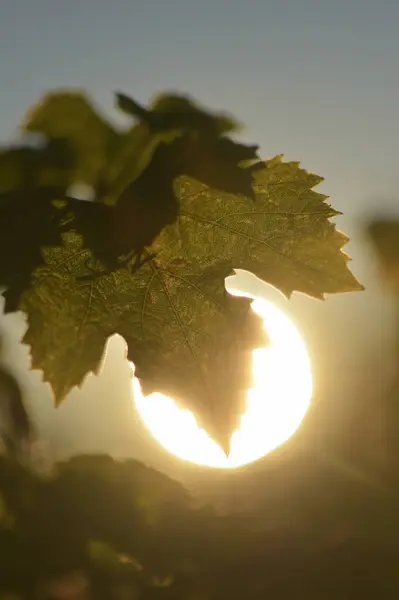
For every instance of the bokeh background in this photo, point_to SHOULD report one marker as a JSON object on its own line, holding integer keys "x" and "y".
{"x": 313, "y": 79}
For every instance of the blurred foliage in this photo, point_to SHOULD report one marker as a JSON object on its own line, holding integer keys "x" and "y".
{"x": 384, "y": 234}
{"x": 121, "y": 529}
{"x": 92, "y": 527}
{"x": 175, "y": 205}
{"x": 16, "y": 428}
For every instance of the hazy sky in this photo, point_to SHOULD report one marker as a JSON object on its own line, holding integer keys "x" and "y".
{"x": 316, "y": 80}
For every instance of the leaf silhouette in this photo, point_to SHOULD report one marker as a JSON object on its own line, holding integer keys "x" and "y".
{"x": 29, "y": 179}
{"x": 219, "y": 163}
{"x": 131, "y": 156}
{"x": 198, "y": 144}
{"x": 170, "y": 111}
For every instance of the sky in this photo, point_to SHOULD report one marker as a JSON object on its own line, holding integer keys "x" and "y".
{"x": 315, "y": 80}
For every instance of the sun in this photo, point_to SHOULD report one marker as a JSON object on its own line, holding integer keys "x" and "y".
{"x": 275, "y": 407}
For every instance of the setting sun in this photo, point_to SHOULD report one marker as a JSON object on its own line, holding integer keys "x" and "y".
{"x": 276, "y": 404}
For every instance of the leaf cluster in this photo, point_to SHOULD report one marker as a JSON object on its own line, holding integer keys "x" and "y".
{"x": 175, "y": 205}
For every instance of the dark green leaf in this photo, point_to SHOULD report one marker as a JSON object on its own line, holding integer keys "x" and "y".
{"x": 25, "y": 226}
{"x": 112, "y": 232}
{"x": 200, "y": 150}
{"x": 26, "y": 168}
{"x": 170, "y": 111}
{"x": 30, "y": 178}
{"x": 218, "y": 163}
{"x": 132, "y": 108}
{"x": 149, "y": 203}
{"x": 132, "y": 155}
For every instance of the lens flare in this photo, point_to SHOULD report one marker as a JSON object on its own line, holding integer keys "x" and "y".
{"x": 275, "y": 407}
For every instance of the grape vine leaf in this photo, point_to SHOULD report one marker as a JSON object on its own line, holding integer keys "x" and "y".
{"x": 186, "y": 335}
{"x": 70, "y": 115}
{"x": 285, "y": 237}
{"x": 29, "y": 178}
{"x": 128, "y": 171}
{"x": 149, "y": 203}
{"x": 110, "y": 160}
{"x": 105, "y": 158}
{"x": 178, "y": 205}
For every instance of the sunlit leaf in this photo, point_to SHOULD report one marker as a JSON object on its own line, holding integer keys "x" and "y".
{"x": 285, "y": 237}
{"x": 178, "y": 205}
{"x": 186, "y": 336}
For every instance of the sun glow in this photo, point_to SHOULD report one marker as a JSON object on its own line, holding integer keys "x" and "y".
{"x": 276, "y": 404}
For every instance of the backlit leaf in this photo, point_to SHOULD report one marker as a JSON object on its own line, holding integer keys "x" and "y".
{"x": 285, "y": 237}
{"x": 178, "y": 206}
{"x": 187, "y": 337}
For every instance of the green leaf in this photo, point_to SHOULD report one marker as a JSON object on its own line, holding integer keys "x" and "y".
{"x": 29, "y": 179}
{"x": 178, "y": 206}
{"x": 198, "y": 146}
{"x": 218, "y": 163}
{"x": 70, "y": 116}
{"x": 186, "y": 335}
{"x": 114, "y": 232}
{"x": 132, "y": 155}
{"x": 149, "y": 203}
{"x": 285, "y": 237}
{"x": 104, "y": 157}
{"x": 170, "y": 111}
{"x": 27, "y": 168}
